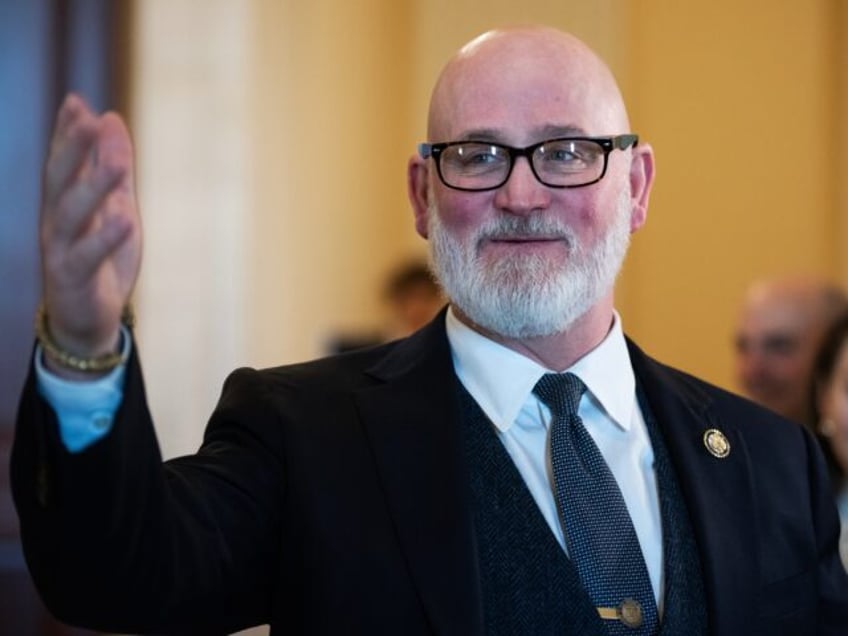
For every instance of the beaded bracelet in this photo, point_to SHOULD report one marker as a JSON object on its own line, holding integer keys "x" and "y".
{"x": 97, "y": 364}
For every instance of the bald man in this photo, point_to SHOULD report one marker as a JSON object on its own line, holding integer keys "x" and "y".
{"x": 515, "y": 467}
{"x": 780, "y": 325}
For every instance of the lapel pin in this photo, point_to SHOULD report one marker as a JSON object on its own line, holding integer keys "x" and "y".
{"x": 716, "y": 443}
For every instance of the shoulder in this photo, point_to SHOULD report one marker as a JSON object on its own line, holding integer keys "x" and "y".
{"x": 325, "y": 376}
{"x": 708, "y": 403}
{"x": 772, "y": 460}
{"x": 422, "y": 355}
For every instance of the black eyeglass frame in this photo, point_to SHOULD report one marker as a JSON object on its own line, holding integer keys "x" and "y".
{"x": 607, "y": 144}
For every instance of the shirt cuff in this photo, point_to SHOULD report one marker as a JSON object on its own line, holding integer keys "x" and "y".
{"x": 85, "y": 409}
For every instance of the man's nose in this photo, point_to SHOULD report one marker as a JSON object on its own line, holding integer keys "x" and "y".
{"x": 523, "y": 192}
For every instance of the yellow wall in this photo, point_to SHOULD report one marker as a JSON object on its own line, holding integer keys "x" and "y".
{"x": 331, "y": 140}
{"x": 739, "y": 101}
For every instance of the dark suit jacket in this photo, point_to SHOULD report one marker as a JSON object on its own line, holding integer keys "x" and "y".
{"x": 330, "y": 498}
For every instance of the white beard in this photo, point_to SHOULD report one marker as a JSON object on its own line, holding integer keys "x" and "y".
{"x": 528, "y": 297}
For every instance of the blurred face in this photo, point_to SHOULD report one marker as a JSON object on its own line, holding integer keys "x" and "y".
{"x": 414, "y": 308}
{"x": 775, "y": 346}
{"x": 527, "y": 260}
{"x": 833, "y": 407}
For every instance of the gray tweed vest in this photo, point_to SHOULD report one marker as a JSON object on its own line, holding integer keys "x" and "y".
{"x": 529, "y": 586}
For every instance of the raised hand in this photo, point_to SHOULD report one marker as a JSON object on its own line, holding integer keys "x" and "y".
{"x": 90, "y": 231}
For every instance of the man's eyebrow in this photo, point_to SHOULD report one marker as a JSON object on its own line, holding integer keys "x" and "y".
{"x": 551, "y": 132}
{"x": 482, "y": 134}
{"x": 494, "y": 135}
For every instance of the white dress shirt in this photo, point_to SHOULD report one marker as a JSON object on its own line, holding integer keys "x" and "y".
{"x": 501, "y": 381}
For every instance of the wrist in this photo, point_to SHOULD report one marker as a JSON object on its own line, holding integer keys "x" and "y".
{"x": 72, "y": 364}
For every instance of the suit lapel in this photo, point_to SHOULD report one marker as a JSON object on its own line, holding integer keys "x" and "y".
{"x": 718, "y": 492}
{"x": 411, "y": 420}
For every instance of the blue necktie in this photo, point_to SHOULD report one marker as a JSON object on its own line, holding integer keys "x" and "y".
{"x": 599, "y": 533}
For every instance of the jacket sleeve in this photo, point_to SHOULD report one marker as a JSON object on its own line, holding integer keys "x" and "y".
{"x": 118, "y": 541}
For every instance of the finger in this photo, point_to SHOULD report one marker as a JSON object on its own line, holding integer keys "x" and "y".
{"x": 109, "y": 170}
{"x": 80, "y": 204}
{"x": 91, "y": 251}
{"x": 115, "y": 150}
{"x": 69, "y": 152}
{"x": 74, "y": 133}
{"x": 114, "y": 142}
{"x": 70, "y": 108}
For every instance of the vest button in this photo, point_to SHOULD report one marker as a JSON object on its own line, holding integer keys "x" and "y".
{"x": 630, "y": 613}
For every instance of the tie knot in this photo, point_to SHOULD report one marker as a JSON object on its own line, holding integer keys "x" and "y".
{"x": 561, "y": 392}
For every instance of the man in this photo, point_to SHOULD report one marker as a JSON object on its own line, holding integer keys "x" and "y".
{"x": 780, "y": 326}
{"x": 413, "y": 298}
{"x": 426, "y": 486}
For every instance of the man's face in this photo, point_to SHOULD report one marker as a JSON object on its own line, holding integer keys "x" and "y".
{"x": 526, "y": 259}
{"x": 775, "y": 346}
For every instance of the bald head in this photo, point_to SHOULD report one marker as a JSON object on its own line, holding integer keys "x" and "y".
{"x": 526, "y": 73}
{"x": 780, "y": 327}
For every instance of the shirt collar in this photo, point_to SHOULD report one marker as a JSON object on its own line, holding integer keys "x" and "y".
{"x": 501, "y": 380}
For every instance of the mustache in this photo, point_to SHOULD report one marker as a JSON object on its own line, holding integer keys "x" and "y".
{"x": 525, "y": 227}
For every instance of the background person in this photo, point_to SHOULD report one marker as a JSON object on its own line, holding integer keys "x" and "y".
{"x": 830, "y": 407}
{"x": 413, "y": 298}
{"x": 779, "y": 329}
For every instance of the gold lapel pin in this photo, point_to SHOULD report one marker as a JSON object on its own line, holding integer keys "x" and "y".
{"x": 716, "y": 443}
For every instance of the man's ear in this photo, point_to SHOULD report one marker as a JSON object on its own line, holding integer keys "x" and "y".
{"x": 418, "y": 190}
{"x": 641, "y": 182}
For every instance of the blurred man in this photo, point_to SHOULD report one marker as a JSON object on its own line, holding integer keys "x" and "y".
{"x": 413, "y": 298}
{"x": 780, "y": 327}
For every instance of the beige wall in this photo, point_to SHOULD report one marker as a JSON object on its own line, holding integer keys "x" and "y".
{"x": 260, "y": 245}
{"x": 191, "y": 121}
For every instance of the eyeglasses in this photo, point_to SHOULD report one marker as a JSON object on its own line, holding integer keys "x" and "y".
{"x": 566, "y": 162}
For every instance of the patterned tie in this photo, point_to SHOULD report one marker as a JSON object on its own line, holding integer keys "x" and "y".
{"x": 601, "y": 540}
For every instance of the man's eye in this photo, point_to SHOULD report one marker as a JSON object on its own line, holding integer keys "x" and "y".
{"x": 474, "y": 159}
{"x": 478, "y": 158}
{"x": 568, "y": 155}
{"x": 474, "y": 156}
{"x": 781, "y": 346}
{"x": 563, "y": 155}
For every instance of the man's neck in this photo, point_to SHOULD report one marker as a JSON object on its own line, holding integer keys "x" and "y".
{"x": 561, "y": 350}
